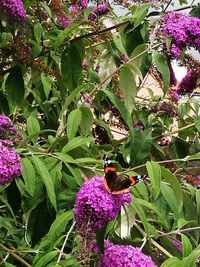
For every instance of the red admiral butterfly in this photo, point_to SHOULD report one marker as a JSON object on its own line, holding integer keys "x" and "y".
{"x": 115, "y": 184}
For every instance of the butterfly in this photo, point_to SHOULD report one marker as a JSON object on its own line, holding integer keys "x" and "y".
{"x": 116, "y": 184}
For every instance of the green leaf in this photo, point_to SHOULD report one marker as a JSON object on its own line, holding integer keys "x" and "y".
{"x": 163, "y": 68}
{"x": 128, "y": 87}
{"x": 195, "y": 12}
{"x": 74, "y": 93}
{"x": 139, "y": 210}
{"x": 107, "y": 66}
{"x": 140, "y": 13}
{"x": 118, "y": 42}
{"x": 28, "y": 175}
{"x": 44, "y": 260}
{"x": 190, "y": 261}
{"x": 170, "y": 199}
{"x": 65, "y": 157}
{"x": 57, "y": 228}
{"x": 71, "y": 64}
{"x": 138, "y": 146}
{"x": 73, "y": 122}
{"x": 33, "y": 127}
{"x": 46, "y": 178}
{"x": 121, "y": 107}
{"x": 15, "y": 88}
{"x": 86, "y": 121}
{"x": 65, "y": 34}
{"x": 46, "y": 82}
{"x": 76, "y": 142}
{"x": 197, "y": 123}
{"x": 38, "y": 29}
{"x": 187, "y": 246}
{"x": 171, "y": 262}
{"x": 154, "y": 173}
{"x": 198, "y": 202}
{"x": 175, "y": 186}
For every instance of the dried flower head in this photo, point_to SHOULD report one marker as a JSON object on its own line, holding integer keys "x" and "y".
{"x": 94, "y": 206}
{"x": 124, "y": 255}
{"x": 10, "y": 166}
{"x": 14, "y": 9}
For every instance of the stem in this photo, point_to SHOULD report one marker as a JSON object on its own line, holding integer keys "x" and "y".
{"x": 181, "y": 129}
{"x": 153, "y": 241}
{"x": 177, "y": 231}
{"x": 159, "y": 162}
{"x": 64, "y": 243}
{"x": 10, "y": 251}
{"x": 117, "y": 69}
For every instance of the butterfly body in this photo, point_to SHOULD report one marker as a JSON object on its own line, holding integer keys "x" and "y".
{"x": 116, "y": 184}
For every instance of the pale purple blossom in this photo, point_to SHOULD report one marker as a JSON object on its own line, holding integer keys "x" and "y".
{"x": 124, "y": 256}
{"x": 13, "y": 9}
{"x": 10, "y": 165}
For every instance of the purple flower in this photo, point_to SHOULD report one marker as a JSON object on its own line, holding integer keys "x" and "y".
{"x": 85, "y": 64}
{"x": 124, "y": 256}
{"x": 14, "y": 9}
{"x": 87, "y": 99}
{"x": 95, "y": 206}
{"x": 188, "y": 83}
{"x": 139, "y": 125}
{"x": 176, "y": 242}
{"x": 174, "y": 95}
{"x": 99, "y": 10}
{"x": 64, "y": 21}
{"x": 124, "y": 58}
{"x": 79, "y": 4}
{"x": 183, "y": 29}
{"x": 9, "y": 162}
{"x": 8, "y": 131}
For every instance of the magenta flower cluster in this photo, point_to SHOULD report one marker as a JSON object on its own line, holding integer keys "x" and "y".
{"x": 94, "y": 206}
{"x": 79, "y": 4}
{"x": 10, "y": 166}
{"x": 188, "y": 83}
{"x": 98, "y": 11}
{"x": 14, "y": 9}
{"x": 183, "y": 29}
{"x": 8, "y": 131}
{"x": 64, "y": 21}
{"x": 124, "y": 256}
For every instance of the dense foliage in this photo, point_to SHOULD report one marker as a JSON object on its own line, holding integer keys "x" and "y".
{"x": 71, "y": 77}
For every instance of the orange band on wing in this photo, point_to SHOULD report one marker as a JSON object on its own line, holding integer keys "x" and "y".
{"x": 133, "y": 180}
{"x": 106, "y": 185}
{"x": 112, "y": 169}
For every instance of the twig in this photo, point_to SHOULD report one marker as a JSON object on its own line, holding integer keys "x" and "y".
{"x": 10, "y": 251}
{"x": 65, "y": 241}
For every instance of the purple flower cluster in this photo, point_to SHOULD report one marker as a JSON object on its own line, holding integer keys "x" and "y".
{"x": 8, "y": 131}
{"x": 94, "y": 206}
{"x": 188, "y": 83}
{"x": 79, "y": 4}
{"x": 14, "y": 9}
{"x": 183, "y": 29}
{"x": 124, "y": 256}
{"x": 64, "y": 21}
{"x": 9, "y": 162}
{"x": 99, "y": 10}
{"x": 139, "y": 125}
